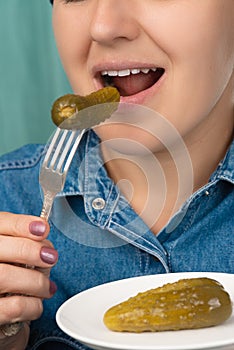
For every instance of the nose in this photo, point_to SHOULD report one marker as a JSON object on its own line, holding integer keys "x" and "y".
{"x": 113, "y": 20}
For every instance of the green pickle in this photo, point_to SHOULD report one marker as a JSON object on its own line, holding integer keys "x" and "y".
{"x": 186, "y": 304}
{"x": 66, "y": 110}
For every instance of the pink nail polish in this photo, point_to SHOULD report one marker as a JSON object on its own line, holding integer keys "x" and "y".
{"x": 48, "y": 255}
{"x": 37, "y": 228}
{"x": 53, "y": 288}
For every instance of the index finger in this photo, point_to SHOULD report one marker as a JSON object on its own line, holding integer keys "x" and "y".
{"x": 20, "y": 225}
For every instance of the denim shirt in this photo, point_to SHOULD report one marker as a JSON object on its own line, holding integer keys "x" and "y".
{"x": 100, "y": 238}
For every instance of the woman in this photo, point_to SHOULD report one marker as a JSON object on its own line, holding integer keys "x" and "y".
{"x": 173, "y": 60}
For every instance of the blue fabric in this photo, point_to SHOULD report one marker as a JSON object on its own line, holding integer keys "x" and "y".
{"x": 99, "y": 246}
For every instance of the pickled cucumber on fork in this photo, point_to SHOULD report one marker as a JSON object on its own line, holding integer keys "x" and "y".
{"x": 186, "y": 304}
{"x": 66, "y": 109}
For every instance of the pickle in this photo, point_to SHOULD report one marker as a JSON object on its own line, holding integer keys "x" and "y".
{"x": 64, "y": 112}
{"x": 186, "y": 304}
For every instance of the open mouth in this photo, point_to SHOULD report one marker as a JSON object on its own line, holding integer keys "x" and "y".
{"x": 132, "y": 81}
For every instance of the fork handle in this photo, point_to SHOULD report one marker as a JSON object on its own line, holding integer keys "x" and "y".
{"x": 47, "y": 205}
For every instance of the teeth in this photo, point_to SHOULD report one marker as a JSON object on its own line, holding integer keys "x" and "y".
{"x": 145, "y": 70}
{"x": 135, "y": 71}
{"x": 126, "y": 72}
{"x": 112, "y": 73}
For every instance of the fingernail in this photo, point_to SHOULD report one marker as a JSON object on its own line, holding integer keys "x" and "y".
{"x": 48, "y": 255}
{"x": 37, "y": 228}
{"x": 53, "y": 288}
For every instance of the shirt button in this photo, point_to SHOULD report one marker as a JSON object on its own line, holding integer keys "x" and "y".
{"x": 98, "y": 203}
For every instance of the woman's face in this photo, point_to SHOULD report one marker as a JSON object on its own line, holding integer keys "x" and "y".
{"x": 173, "y": 56}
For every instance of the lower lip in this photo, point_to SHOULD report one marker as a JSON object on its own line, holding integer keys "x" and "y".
{"x": 143, "y": 96}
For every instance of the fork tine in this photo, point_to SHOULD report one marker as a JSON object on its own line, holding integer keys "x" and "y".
{"x": 65, "y": 151}
{"x": 61, "y": 139}
{"x": 52, "y": 143}
{"x": 74, "y": 147}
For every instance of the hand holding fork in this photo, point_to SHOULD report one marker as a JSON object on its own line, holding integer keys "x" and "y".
{"x": 56, "y": 164}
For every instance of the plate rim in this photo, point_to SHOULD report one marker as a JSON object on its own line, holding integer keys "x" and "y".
{"x": 106, "y": 345}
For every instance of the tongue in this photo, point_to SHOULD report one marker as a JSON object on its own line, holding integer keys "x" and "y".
{"x": 134, "y": 83}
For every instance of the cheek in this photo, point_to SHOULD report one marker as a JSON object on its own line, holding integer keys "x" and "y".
{"x": 72, "y": 44}
{"x": 200, "y": 64}
{"x": 195, "y": 33}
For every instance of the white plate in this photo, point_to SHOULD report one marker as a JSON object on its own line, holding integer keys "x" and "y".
{"x": 81, "y": 317}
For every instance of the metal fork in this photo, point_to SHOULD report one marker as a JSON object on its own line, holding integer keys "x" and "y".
{"x": 56, "y": 164}
{"x": 52, "y": 178}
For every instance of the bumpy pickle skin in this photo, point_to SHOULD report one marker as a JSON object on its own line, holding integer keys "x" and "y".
{"x": 186, "y": 304}
{"x": 65, "y": 111}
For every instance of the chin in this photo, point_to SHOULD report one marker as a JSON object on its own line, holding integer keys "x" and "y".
{"x": 129, "y": 140}
{"x": 138, "y": 130}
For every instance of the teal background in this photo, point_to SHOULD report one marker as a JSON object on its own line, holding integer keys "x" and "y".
{"x": 31, "y": 75}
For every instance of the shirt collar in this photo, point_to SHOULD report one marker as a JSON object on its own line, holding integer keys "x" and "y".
{"x": 75, "y": 176}
{"x": 87, "y": 166}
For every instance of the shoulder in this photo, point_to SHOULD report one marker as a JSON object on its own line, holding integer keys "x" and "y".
{"x": 19, "y": 185}
{"x": 25, "y": 157}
